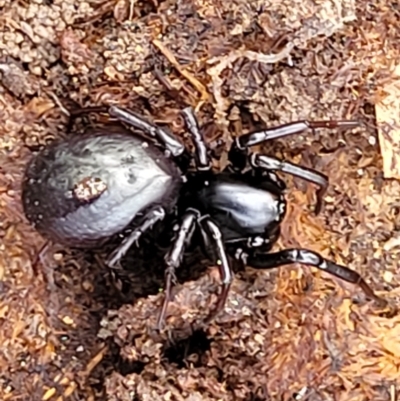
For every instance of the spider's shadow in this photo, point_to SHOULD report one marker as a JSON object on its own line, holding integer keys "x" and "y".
{"x": 142, "y": 271}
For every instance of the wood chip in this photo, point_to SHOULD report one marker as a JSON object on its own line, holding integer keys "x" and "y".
{"x": 49, "y": 394}
{"x": 388, "y": 119}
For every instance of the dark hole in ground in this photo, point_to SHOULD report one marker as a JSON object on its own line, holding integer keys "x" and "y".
{"x": 197, "y": 344}
{"x": 112, "y": 362}
{"x": 257, "y": 397}
{"x": 115, "y": 361}
{"x": 142, "y": 274}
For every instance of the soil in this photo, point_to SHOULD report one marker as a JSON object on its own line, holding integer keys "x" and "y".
{"x": 71, "y": 329}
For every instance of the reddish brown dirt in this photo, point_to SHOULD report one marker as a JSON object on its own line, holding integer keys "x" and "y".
{"x": 66, "y": 330}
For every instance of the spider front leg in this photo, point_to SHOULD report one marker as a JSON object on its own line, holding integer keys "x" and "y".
{"x": 269, "y": 163}
{"x": 238, "y": 154}
{"x": 298, "y": 127}
{"x": 310, "y": 258}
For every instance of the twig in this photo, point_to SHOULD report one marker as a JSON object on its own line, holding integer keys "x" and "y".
{"x": 187, "y": 75}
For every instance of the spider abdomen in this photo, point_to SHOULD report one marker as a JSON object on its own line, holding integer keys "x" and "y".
{"x": 83, "y": 190}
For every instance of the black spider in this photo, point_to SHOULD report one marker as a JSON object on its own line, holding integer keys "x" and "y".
{"x": 82, "y": 191}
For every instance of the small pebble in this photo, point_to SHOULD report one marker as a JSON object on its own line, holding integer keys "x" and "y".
{"x": 388, "y": 276}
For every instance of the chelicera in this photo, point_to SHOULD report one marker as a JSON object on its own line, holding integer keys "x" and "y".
{"x": 83, "y": 190}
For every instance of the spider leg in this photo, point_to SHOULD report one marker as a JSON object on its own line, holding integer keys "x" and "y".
{"x": 297, "y": 127}
{"x": 150, "y": 219}
{"x": 203, "y": 162}
{"x": 307, "y": 257}
{"x": 237, "y": 153}
{"x": 174, "y": 256}
{"x": 163, "y": 135}
{"x": 213, "y": 238}
{"x": 269, "y": 163}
